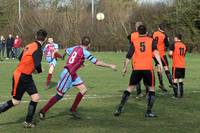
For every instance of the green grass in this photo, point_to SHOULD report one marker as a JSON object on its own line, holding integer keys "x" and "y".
{"x": 175, "y": 116}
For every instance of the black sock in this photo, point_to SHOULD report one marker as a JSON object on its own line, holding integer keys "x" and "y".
{"x": 169, "y": 76}
{"x": 160, "y": 78}
{"x": 125, "y": 97}
{"x": 181, "y": 89}
{"x": 150, "y": 101}
{"x": 138, "y": 88}
{"x": 175, "y": 88}
{"x": 147, "y": 89}
{"x": 31, "y": 111}
{"x": 7, "y": 105}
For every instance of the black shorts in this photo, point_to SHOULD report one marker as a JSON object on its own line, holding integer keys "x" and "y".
{"x": 22, "y": 83}
{"x": 163, "y": 60}
{"x": 178, "y": 73}
{"x": 147, "y": 76}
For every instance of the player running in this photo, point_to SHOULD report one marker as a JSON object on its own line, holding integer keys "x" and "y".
{"x": 143, "y": 49}
{"x": 162, "y": 45}
{"x": 51, "y": 55}
{"x": 178, "y": 52}
{"x": 69, "y": 77}
{"x": 30, "y": 61}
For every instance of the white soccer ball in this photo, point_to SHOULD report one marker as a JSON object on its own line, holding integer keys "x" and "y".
{"x": 100, "y": 16}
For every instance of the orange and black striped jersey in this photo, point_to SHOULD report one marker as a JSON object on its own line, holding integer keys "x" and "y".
{"x": 30, "y": 59}
{"x": 142, "y": 48}
{"x": 162, "y": 42}
{"x": 179, "y": 50}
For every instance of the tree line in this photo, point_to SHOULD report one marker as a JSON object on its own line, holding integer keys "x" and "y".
{"x": 66, "y": 21}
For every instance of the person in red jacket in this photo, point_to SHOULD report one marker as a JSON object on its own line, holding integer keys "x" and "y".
{"x": 17, "y": 45}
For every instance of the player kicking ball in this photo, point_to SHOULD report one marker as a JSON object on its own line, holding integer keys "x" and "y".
{"x": 68, "y": 78}
{"x": 30, "y": 62}
{"x": 143, "y": 49}
{"x": 178, "y": 52}
{"x": 51, "y": 55}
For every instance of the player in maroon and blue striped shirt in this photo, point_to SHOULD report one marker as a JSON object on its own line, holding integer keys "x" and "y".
{"x": 69, "y": 77}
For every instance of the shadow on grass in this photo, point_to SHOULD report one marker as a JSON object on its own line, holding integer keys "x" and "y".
{"x": 20, "y": 120}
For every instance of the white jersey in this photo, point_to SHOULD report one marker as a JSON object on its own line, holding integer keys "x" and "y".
{"x": 49, "y": 49}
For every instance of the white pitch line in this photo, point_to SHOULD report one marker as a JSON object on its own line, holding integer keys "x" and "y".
{"x": 14, "y": 62}
{"x": 68, "y": 98}
{"x": 94, "y": 96}
{"x": 196, "y": 91}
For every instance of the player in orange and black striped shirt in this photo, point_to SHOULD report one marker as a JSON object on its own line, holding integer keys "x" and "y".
{"x": 178, "y": 52}
{"x": 30, "y": 61}
{"x": 141, "y": 52}
{"x": 162, "y": 45}
{"x": 133, "y": 36}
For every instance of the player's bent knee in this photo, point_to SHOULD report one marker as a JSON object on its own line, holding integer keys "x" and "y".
{"x": 15, "y": 102}
{"x": 35, "y": 97}
{"x": 51, "y": 69}
{"x": 82, "y": 88}
{"x": 83, "y": 91}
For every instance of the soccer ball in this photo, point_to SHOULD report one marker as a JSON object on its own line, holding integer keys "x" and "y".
{"x": 100, "y": 16}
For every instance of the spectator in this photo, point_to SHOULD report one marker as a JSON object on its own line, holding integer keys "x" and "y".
{"x": 9, "y": 44}
{"x": 17, "y": 45}
{"x": 2, "y": 47}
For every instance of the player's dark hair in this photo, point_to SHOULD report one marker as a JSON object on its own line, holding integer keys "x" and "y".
{"x": 41, "y": 35}
{"x": 179, "y": 36}
{"x": 162, "y": 26}
{"x": 142, "y": 30}
{"x": 85, "y": 41}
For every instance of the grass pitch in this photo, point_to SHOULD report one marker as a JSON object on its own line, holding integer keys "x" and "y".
{"x": 104, "y": 93}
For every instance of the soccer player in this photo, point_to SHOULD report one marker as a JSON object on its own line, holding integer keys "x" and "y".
{"x": 133, "y": 36}
{"x": 51, "y": 55}
{"x": 163, "y": 44}
{"x": 69, "y": 77}
{"x": 30, "y": 61}
{"x": 178, "y": 52}
{"x": 143, "y": 49}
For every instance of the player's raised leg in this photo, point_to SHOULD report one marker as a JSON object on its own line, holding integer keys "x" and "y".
{"x": 8, "y": 104}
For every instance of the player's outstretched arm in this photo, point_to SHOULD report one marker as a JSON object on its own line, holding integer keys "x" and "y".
{"x": 129, "y": 55}
{"x": 157, "y": 56}
{"x": 103, "y": 64}
{"x": 126, "y": 62}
